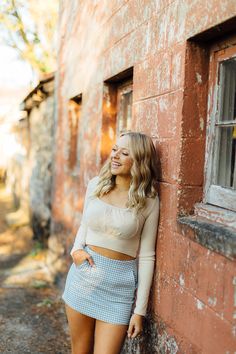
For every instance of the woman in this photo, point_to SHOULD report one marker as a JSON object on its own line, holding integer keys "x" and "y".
{"x": 108, "y": 284}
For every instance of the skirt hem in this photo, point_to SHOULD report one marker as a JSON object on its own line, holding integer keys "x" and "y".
{"x": 95, "y": 316}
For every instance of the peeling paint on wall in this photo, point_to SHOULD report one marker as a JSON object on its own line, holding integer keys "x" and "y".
{"x": 200, "y": 305}
{"x": 212, "y": 301}
{"x": 201, "y": 123}
{"x": 199, "y": 78}
{"x": 181, "y": 280}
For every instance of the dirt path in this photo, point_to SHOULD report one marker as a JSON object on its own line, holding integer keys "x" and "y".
{"x": 32, "y": 318}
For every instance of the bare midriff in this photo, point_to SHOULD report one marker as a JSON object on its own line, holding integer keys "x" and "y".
{"x": 110, "y": 253}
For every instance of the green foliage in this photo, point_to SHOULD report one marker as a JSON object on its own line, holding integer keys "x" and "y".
{"x": 39, "y": 284}
{"x": 46, "y": 302}
{"x": 38, "y": 246}
{"x": 29, "y": 27}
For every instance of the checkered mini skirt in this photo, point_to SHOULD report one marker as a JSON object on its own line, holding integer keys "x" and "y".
{"x": 105, "y": 292}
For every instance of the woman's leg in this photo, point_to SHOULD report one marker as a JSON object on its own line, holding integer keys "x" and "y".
{"x": 81, "y": 331}
{"x": 109, "y": 338}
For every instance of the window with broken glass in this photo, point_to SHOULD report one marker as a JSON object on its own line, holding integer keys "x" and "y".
{"x": 221, "y": 169}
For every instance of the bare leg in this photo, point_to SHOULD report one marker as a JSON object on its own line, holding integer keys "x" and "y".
{"x": 109, "y": 338}
{"x": 81, "y": 331}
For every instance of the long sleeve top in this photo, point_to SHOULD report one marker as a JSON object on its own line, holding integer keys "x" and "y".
{"x": 121, "y": 230}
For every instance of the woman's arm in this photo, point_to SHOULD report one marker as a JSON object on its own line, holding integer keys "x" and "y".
{"x": 146, "y": 259}
{"x": 80, "y": 238}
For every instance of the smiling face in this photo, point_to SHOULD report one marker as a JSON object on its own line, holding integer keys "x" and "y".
{"x": 121, "y": 160}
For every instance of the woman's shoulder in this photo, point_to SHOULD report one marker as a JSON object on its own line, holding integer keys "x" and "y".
{"x": 93, "y": 183}
{"x": 152, "y": 203}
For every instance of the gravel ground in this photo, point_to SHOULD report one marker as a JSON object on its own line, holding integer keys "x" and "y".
{"x": 32, "y": 316}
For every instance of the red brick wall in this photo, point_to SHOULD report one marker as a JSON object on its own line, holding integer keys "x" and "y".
{"x": 192, "y": 296}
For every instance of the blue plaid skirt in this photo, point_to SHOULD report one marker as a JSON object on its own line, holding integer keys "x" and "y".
{"x": 105, "y": 292}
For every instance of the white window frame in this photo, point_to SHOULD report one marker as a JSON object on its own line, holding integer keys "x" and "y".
{"x": 123, "y": 123}
{"x": 215, "y": 194}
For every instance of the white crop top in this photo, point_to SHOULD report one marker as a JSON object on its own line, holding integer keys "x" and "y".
{"x": 119, "y": 229}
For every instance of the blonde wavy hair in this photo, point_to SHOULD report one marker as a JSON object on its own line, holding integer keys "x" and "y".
{"x": 144, "y": 172}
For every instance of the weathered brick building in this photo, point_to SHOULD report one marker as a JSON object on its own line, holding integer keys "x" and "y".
{"x": 166, "y": 68}
{"x": 38, "y": 106}
{"x": 29, "y": 172}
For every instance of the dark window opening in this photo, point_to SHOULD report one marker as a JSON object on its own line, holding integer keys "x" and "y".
{"x": 74, "y": 111}
{"x": 117, "y": 109}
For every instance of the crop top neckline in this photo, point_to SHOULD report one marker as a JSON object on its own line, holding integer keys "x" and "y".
{"x": 111, "y": 205}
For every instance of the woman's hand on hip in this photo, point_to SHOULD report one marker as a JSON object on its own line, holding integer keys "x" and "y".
{"x": 135, "y": 325}
{"x": 79, "y": 256}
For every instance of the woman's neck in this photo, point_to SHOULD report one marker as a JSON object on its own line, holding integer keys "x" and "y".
{"x": 122, "y": 183}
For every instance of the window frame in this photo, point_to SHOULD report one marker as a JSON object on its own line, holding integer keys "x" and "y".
{"x": 73, "y": 151}
{"x": 215, "y": 194}
{"x": 122, "y": 89}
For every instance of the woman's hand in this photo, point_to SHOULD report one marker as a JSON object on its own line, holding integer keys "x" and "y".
{"x": 135, "y": 325}
{"x": 79, "y": 256}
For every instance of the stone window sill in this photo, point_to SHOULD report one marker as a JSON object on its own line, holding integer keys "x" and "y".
{"x": 210, "y": 234}
{"x": 217, "y": 214}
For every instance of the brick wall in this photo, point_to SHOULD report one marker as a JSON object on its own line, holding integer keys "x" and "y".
{"x": 167, "y": 45}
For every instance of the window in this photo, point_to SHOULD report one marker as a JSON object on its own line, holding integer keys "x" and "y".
{"x": 74, "y": 110}
{"x": 226, "y": 124}
{"x": 117, "y": 109}
{"x": 221, "y": 144}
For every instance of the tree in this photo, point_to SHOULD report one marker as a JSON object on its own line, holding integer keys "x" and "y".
{"x": 29, "y": 26}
